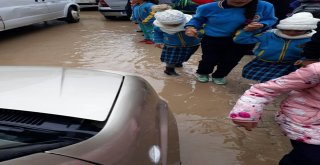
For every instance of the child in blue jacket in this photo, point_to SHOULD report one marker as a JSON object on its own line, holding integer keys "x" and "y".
{"x": 278, "y": 49}
{"x": 170, "y": 36}
{"x": 221, "y": 19}
{"x": 144, "y": 16}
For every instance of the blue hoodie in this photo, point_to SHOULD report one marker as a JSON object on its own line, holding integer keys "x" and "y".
{"x": 271, "y": 47}
{"x": 220, "y": 21}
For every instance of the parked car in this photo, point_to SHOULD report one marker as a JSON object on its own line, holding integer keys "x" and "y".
{"x": 55, "y": 115}
{"x": 87, "y": 3}
{"x": 20, "y": 13}
{"x": 114, "y": 8}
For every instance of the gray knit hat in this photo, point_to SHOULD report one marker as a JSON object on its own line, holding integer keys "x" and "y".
{"x": 299, "y": 21}
{"x": 170, "y": 17}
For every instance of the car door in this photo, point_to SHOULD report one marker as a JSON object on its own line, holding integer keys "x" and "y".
{"x": 56, "y": 7}
{"x": 117, "y": 4}
{"x": 1, "y": 24}
{"x": 19, "y": 13}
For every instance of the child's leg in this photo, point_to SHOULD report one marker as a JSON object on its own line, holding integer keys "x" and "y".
{"x": 138, "y": 28}
{"x": 143, "y": 29}
{"x": 210, "y": 54}
{"x": 170, "y": 70}
{"x": 148, "y": 31}
{"x": 191, "y": 51}
{"x": 302, "y": 154}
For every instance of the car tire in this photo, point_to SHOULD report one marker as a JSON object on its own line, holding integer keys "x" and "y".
{"x": 73, "y": 15}
{"x": 110, "y": 17}
{"x": 128, "y": 9}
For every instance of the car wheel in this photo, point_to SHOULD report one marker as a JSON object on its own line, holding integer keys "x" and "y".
{"x": 73, "y": 15}
{"x": 128, "y": 9}
{"x": 110, "y": 17}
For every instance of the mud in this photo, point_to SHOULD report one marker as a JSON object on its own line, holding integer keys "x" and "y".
{"x": 207, "y": 137}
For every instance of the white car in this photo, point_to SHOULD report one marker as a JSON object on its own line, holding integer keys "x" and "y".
{"x": 18, "y": 13}
{"x": 87, "y": 3}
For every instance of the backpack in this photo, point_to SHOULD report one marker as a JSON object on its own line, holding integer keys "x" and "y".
{"x": 312, "y": 6}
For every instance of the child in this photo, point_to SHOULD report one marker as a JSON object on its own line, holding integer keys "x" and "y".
{"x": 221, "y": 19}
{"x": 170, "y": 36}
{"x": 311, "y": 51}
{"x": 188, "y": 6}
{"x": 278, "y": 49}
{"x": 312, "y": 6}
{"x": 134, "y": 6}
{"x": 144, "y": 16}
{"x": 299, "y": 115}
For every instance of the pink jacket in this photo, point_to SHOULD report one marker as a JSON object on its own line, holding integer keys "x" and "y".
{"x": 299, "y": 115}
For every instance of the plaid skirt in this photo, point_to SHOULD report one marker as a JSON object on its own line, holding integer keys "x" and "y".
{"x": 263, "y": 71}
{"x": 177, "y": 55}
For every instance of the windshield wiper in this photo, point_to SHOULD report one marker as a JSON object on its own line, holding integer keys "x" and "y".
{"x": 16, "y": 152}
{"x": 20, "y": 128}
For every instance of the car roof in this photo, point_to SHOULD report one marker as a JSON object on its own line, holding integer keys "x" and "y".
{"x": 80, "y": 93}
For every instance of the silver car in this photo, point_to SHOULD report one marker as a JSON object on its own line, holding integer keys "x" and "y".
{"x": 18, "y": 13}
{"x": 87, "y": 3}
{"x": 114, "y": 8}
{"x": 54, "y": 115}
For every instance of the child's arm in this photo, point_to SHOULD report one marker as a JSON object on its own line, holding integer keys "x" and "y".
{"x": 268, "y": 17}
{"x": 311, "y": 49}
{"x": 250, "y": 105}
{"x": 150, "y": 17}
{"x": 243, "y": 37}
{"x": 134, "y": 13}
{"x": 158, "y": 37}
{"x": 198, "y": 19}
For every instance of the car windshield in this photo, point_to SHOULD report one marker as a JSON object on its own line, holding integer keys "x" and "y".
{"x": 24, "y": 133}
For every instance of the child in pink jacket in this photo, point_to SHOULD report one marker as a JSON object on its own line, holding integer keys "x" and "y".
{"x": 299, "y": 114}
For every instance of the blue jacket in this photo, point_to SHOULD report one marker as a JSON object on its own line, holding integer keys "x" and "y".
{"x": 220, "y": 21}
{"x": 143, "y": 13}
{"x": 178, "y": 39}
{"x": 271, "y": 47}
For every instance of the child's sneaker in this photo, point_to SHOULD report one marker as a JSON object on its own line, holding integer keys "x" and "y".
{"x": 179, "y": 65}
{"x": 171, "y": 71}
{"x": 219, "y": 81}
{"x": 203, "y": 78}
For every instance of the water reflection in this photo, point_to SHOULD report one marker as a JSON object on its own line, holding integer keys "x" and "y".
{"x": 206, "y": 136}
{"x": 226, "y": 143}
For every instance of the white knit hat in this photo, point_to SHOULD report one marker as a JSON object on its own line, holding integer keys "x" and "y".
{"x": 299, "y": 21}
{"x": 170, "y": 17}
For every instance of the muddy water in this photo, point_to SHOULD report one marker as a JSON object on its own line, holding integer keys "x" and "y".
{"x": 206, "y": 136}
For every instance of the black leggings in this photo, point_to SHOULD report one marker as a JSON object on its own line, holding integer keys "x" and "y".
{"x": 302, "y": 154}
{"x": 221, "y": 52}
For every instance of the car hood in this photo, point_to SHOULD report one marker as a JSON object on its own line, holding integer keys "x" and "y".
{"x": 70, "y": 92}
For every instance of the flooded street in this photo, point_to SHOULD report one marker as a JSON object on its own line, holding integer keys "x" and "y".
{"x": 207, "y": 137}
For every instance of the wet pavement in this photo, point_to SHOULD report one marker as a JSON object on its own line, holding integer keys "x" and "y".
{"x": 207, "y": 137}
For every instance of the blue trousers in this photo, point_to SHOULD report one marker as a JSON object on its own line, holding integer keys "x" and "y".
{"x": 147, "y": 30}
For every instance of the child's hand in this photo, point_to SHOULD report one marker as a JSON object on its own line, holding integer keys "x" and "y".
{"x": 158, "y": 45}
{"x": 247, "y": 125}
{"x": 304, "y": 63}
{"x": 253, "y": 26}
{"x": 191, "y": 32}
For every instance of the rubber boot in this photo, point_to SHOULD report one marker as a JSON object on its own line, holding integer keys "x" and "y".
{"x": 171, "y": 71}
{"x": 179, "y": 65}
